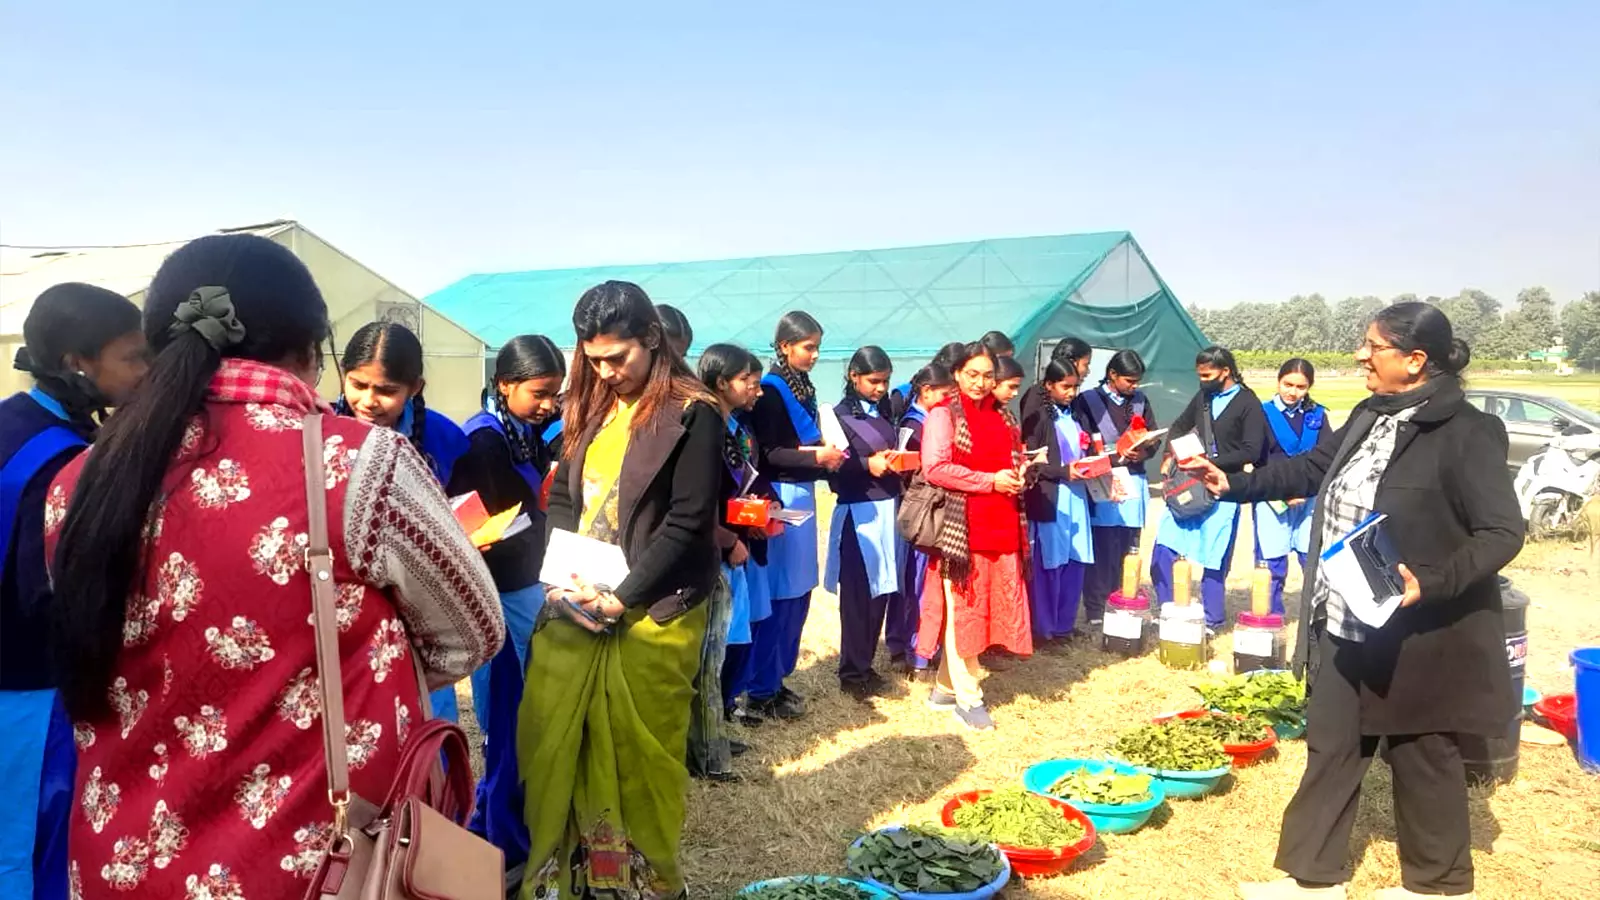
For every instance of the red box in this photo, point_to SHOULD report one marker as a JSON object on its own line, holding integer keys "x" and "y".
{"x": 752, "y": 512}
{"x": 903, "y": 460}
{"x": 1093, "y": 467}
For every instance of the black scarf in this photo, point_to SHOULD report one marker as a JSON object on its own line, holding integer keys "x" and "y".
{"x": 1389, "y": 404}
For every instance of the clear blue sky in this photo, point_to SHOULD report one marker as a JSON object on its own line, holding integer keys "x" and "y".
{"x": 1256, "y": 149}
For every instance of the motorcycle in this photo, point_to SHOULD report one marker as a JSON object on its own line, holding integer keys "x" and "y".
{"x": 1556, "y": 481}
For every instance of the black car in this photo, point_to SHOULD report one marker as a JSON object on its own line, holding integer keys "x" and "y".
{"x": 1533, "y": 419}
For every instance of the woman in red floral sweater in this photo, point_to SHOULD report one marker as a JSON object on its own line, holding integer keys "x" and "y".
{"x": 184, "y": 606}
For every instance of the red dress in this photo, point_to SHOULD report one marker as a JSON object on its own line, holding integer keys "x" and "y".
{"x": 206, "y": 782}
{"x": 993, "y": 610}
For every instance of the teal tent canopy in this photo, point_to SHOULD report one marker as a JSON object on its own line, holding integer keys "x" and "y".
{"x": 908, "y": 300}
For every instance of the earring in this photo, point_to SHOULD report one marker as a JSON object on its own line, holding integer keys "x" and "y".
{"x": 82, "y": 374}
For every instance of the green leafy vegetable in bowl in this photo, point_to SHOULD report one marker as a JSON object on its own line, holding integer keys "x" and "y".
{"x": 1228, "y": 729}
{"x": 1170, "y": 748}
{"x": 1106, "y": 787}
{"x": 923, "y": 861}
{"x": 1017, "y": 818}
{"x": 1277, "y": 697}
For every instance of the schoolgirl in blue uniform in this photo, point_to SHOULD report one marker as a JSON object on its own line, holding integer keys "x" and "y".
{"x": 733, "y": 374}
{"x": 903, "y": 395}
{"x": 1057, "y": 505}
{"x": 1239, "y": 435}
{"x": 85, "y": 351}
{"x": 1295, "y": 425}
{"x": 505, "y": 464}
{"x": 794, "y": 457}
{"x": 383, "y": 384}
{"x": 863, "y": 539}
{"x": 1105, "y": 413}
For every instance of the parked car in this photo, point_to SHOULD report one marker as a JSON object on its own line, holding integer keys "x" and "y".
{"x": 1533, "y": 419}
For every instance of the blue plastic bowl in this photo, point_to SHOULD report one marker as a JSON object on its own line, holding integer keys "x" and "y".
{"x": 983, "y": 893}
{"x": 1107, "y": 819}
{"x": 1530, "y": 697}
{"x": 1186, "y": 785}
{"x": 874, "y": 890}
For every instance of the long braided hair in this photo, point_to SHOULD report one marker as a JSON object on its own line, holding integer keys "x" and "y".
{"x": 794, "y": 327}
{"x": 866, "y": 361}
{"x": 73, "y": 320}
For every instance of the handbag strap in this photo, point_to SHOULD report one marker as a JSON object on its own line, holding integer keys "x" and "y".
{"x": 330, "y": 680}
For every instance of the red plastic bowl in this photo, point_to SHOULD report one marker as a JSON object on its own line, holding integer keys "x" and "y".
{"x": 1561, "y": 711}
{"x": 1030, "y": 862}
{"x": 1243, "y": 754}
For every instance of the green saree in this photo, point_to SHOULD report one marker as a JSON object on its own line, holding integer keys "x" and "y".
{"x": 601, "y": 741}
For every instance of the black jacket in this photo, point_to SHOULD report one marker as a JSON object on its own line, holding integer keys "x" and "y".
{"x": 853, "y": 483}
{"x": 1045, "y": 479}
{"x": 1240, "y": 432}
{"x": 781, "y": 458}
{"x": 668, "y": 502}
{"x": 1440, "y": 665}
{"x": 1121, "y": 418}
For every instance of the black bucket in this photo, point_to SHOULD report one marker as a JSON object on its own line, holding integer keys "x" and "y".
{"x": 1493, "y": 760}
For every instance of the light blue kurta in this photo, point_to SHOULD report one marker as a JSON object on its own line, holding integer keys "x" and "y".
{"x": 873, "y": 522}
{"x": 792, "y": 555}
{"x": 1279, "y": 533}
{"x": 1068, "y": 538}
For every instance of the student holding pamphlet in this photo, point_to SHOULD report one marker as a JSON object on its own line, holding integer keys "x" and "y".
{"x": 795, "y": 455}
{"x": 604, "y": 724}
{"x": 1057, "y": 503}
{"x": 1295, "y": 424}
{"x": 1417, "y": 453}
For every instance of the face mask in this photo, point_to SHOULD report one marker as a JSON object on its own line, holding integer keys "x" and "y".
{"x": 1211, "y": 387}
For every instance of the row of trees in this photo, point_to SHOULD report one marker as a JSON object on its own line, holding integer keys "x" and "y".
{"x": 1306, "y": 324}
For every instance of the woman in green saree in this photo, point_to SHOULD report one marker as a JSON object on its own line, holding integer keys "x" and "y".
{"x": 604, "y": 722}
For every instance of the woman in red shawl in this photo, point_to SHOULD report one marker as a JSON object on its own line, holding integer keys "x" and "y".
{"x": 975, "y": 596}
{"x": 183, "y": 603}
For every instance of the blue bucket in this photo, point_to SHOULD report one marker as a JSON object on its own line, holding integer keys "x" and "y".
{"x": 983, "y": 893}
{"x": 1587, "y": 662}
{"x": 1108, "y": 819}
{"x": 876, "y": 892}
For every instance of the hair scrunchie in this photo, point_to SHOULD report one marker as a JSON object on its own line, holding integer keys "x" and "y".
{"x": 208, "y": 312}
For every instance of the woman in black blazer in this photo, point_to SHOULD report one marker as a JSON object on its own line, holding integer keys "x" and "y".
{"x": 604, "y": 724}
{"x": 1417, "y": 452}
{"x": 1238, "y": 436}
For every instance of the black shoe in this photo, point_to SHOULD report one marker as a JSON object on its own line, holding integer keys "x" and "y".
{"x": 737, "y": 748}
{"x": 785, "y": 705}
{"x": 747, "y": 716}
{"x": 857, "y": 689}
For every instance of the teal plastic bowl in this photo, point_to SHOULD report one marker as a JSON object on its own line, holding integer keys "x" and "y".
{"x": 1288, "y": 732}
{"x": 1186, "y": 785}
{"x": 1107, "y": 819}
{"x": 877, "y": 892}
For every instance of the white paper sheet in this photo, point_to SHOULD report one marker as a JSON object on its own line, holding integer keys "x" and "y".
{"x": 1346, "y": 578}
{"x": 571, "y": 558}
{"x": 1187, "y": 446}
{"x": 792, "y": 516}
{"x": 832, "y": 432}
{"x": 903, "y": 438}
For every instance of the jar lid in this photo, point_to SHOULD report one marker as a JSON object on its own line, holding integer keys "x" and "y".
{"x": 1141, "y": 600}
{"x": 1251, "y": 620}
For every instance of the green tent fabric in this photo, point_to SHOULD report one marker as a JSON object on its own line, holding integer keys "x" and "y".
{"x": 908, "y": 300}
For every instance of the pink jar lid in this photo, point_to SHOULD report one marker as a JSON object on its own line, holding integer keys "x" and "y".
{"x": 1251, "y": 620}
{"x": 1139, "y": 601}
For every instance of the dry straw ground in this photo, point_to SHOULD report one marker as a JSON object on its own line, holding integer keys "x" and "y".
{"x": 811, "y": 786}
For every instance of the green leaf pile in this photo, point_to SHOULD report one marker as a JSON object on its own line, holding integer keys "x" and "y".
{"x": 1017, "y": 818}
{"x": 1227, "y": 728}
{"x": 1277, "y": 697}
{"x": 809, "y": 889}
{"x": 917, "y": 860}
{"x": 1106, "y": 787}
{"x": 1170, "y": 748}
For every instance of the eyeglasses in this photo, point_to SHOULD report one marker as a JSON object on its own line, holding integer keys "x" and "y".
{"x": 977, "y": 376}
{"x": 1371, "y": 347}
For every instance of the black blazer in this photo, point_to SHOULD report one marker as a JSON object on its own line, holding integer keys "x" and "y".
{"x": 1240, "y": 432}
{"x": 781, "y": 458}
{"x": 1440, "y": 665}
{"x": 667, "y": 504}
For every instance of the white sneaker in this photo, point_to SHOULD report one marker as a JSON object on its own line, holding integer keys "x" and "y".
{"x": 1400, "y": 893}
{"x": 1288, "y": 889}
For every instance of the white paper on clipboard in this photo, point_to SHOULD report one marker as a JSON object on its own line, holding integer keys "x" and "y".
{"x": 571, "y": 558}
